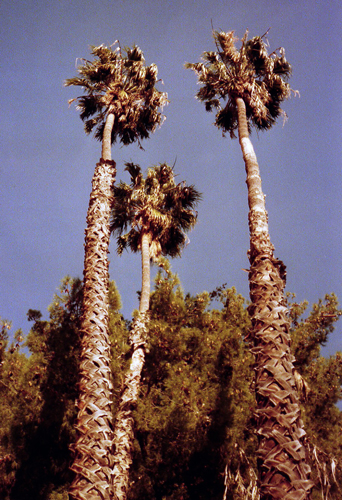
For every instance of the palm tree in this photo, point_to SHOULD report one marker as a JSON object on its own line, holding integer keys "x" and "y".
{"x": 158, "y": 213}
{"x": 120, "y": 102}
{"x": 245, "y": 88}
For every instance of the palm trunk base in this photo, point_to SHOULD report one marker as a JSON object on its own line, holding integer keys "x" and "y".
{"x": 281, "y": 452}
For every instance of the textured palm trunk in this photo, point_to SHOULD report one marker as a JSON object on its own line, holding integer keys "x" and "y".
{"x": 124, "y": 424}
{"x": 93, "y": 461}
{"x": 283, "y": 472}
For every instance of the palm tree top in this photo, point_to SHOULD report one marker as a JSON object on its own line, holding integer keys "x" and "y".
{"x": 250, "y": 73}
{"x": 121, "y": 84}
{"x": 155, "y": 205}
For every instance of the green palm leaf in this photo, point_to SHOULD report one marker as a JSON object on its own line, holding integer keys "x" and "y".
{"x": 155, "y": 205}
{"x": 250, "y": 73}
{"x": 121, "y": 84}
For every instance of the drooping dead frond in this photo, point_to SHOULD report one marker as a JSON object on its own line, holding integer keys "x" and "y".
{"x": 226, "y": 41}
{"x": 155, "y": 251}
{"x": 240, "y": 484}
{"x": 325, "y": 467}
{"x": 302, "y": 385}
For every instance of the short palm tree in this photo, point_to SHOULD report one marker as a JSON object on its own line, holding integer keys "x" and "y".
{"x": 120, "y": 102}
{"x": 158, "y": 213}
{"x": 245, "y": 88}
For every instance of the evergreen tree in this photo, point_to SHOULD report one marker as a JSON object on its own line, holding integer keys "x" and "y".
{"x": 10, "y": 369}
{"x": 194, "y": 419}
{"x": 246, "y": 88}
{"x": 121, "y": 103}
{"x": 41, "y": 396}
{"x": 21, "y": 403}
{"x": 195, "y": 403}
{"x": 320, "y": 384}
{"x": 53, "y": 364}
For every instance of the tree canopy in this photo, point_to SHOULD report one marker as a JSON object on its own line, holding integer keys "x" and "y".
{"x": 194, "y": 420}
{"x": 250, "y": 73}
{"x": 155, "y": 205}
{"x": 118, "y": 81}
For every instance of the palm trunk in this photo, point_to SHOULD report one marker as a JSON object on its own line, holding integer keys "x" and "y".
{"x": 124, "y": 424}
{"x": 93, "y": 460}
{"x": 283, "y": 472}
{"x": 145, "y": 268}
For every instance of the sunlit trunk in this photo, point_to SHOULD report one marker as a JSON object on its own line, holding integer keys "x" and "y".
{"x": 93, "y": 461}
{"x": 124, "y": 423}
{"x": 145, "y": 267}
{"x": 283, "y": 472}
{"x": 107, "y": 137}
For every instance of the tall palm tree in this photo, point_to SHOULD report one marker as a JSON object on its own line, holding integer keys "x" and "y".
{"x": 120, "y": 102}
{"x": 245, "y": 88}
{"x": 158, "y": 213}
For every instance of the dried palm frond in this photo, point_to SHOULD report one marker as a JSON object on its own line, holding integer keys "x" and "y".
{"x": 242, "y": 485}
{"x": 122, "y": 85}
{"x": 302, "y": 385}
{"x": 325, "y": 468}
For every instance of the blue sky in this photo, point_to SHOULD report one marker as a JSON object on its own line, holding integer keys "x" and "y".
{"x": 47, "y": 162}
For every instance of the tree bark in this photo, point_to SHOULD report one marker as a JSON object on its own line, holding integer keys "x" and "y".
{"x": 124, "y": 423}
{"x": 145, "y": 268}
{"x": 107, "y": 137}
{"x": 283, "y": 472}
{"x": 93, "y": 461}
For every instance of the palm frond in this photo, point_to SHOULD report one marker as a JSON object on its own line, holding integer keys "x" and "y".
{"x": 134, "y": 171}
{"x": 122, "y": 243}
{"x": 122, "y": 85}
{"x": 89, "y": 106}
{"x": 250, "y": 73}
{"x": 89, "y": 125}
{"x": 154, "y": 205}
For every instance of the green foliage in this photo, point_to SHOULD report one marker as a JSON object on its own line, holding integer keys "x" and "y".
{"x": 195, "y": 400}
{"x": 46, "y": 429}
{"x": 5, "y": 326}
{"x": 195, "y": 427}
{"x": 312, "y": 333}
{"x": 10, "y": 391}
{"x": 122, "y": 85}
{"x": 323, "y": 378}
{"x": 194, "y": 419}
{"x": 39, "y": 410}
{"x": 255, "y": 76}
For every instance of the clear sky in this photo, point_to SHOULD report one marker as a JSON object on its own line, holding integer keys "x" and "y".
{"x": 47, "y": 162}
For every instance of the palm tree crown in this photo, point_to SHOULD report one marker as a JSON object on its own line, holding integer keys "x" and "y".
{"x": 156, "y": 206}
{"x": 121, "y": 85}
{"x": 255, "y": 76}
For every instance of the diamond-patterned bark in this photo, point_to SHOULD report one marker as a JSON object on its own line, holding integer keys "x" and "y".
{"x": 281, "y": 454}
{"x": 93, "y": 460}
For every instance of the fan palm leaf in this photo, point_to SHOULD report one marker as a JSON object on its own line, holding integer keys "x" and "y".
{"x": 250, "y": 73}
{"x": 155, "y": 205}
{"x": 122, "y": 85}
